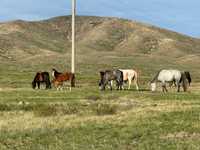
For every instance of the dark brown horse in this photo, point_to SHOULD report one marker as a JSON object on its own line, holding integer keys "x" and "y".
{"x": 41, "y": 77}
{"x": 60, "y": 78}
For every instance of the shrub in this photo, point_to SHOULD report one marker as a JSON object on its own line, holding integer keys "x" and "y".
{"x": 45, "y": 110}
{"x": 105, "y": 109}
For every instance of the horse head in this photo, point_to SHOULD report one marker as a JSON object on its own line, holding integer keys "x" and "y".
{"x": 153, "y": 86}
{"x": 33, "y": 84}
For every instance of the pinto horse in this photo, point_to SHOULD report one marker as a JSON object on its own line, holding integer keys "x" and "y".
{"x": 60, "y": 78}
{"x": 130, "y": 75}
{"x": 41, "y": 77}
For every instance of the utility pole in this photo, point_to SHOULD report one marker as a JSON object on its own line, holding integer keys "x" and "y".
{"x": 73, "y": 35}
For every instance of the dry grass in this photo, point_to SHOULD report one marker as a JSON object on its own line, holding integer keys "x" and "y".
{"x": 48, "y": 116}
{"x": 107, "y": 120}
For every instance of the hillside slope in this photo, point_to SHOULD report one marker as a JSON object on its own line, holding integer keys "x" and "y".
{"x": 96, "y": 33}
{"x": 106, "y": 42}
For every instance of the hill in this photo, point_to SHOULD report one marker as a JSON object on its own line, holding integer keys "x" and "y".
{"x": 105, "y": 42}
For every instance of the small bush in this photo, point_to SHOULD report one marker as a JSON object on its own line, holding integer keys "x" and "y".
{"x": 69, "y": 109}
{"x": 57, "y": 109}
{"x": 105, "y": 109}
{"x": 14, "y": 107}
{"x": 45, "y": 110}
{"x": 112, "y": 97}
{"x": 5, "y": 107}
{"x": 93, "y": 97}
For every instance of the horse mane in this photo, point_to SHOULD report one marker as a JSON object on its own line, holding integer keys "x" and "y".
{"x": 156, "y": 76}
{"x": 56, "y": 73}
{"x": 36, "y": 76}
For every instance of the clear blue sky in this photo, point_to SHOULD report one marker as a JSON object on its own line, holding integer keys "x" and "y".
{"x": 179, "y": 15}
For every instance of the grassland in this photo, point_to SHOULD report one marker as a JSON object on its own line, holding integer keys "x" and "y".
{"x": 86, "y": 118}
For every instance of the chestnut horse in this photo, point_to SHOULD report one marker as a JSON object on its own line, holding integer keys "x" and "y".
{"x": 60, "y": 78}
{"x": 41, "y": 77}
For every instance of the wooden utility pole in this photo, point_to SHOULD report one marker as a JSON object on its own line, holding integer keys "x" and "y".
{"x": 73, "y": 35}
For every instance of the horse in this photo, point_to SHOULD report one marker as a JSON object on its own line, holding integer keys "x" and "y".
{"x": 188, "y": 76}
{"x": 106, "y": 78}
{"x": 170, "y": 76}
{"x": 41, "y": 77}
{"x": 60, "y": 78}
{"x": 130, "y": 75}
{"x": 55, "y": 73}
{"x": 58, "y": 84}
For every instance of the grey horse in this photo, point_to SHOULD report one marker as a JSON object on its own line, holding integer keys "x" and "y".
{"x": 171, "y": 76}
{"x": 106, "y": 78}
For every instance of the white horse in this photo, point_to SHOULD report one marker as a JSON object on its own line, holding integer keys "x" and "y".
{"x": 129, "y": 75}
{"x": 170, "y": 76}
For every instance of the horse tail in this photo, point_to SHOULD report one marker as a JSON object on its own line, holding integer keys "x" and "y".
{"x": 122, "y": 76}
{"x": 136, "y": 77}
{"x": 122, "y": 79}
{"x": 183, "y": 80}
{"x": 188, "y": 76}
{"x": 73, "y": 80}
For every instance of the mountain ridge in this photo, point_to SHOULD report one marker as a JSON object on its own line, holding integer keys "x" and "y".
{"x": 97, "y": 38}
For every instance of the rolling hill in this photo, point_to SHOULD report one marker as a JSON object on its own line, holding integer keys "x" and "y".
{"x": 105, "y": 42}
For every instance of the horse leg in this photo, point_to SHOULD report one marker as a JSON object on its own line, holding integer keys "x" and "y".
{"x": 129, "y": 83}
{"x": 164, "y": 87}
{"x": 178, "y": 85}
{"x": 170, "y": 84}
{"x": 103, "y": 85}
{"x": 70, "y": 88}
{"x": 110, "y": 85}
{"x": 47, "y": 84}
{"x": 121, "y": 85}
{"x": 38, "y": 83}
{"x": 178, "y": 90}
{"x": 58, "y": 88}
{"x": 136, "y": 84}
{"x": 117, "y": 85}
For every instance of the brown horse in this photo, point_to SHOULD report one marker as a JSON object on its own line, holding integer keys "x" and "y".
{"x": 60, "y": 78}
{"x": 41, "y": 77}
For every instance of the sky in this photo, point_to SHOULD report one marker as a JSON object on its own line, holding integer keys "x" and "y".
{"x": 178, "y": 15}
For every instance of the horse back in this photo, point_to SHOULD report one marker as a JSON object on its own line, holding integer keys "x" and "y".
{"x": 66, "y": 76}
{"x": 169, "y": 75}
{"x": 128, "y": 74}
